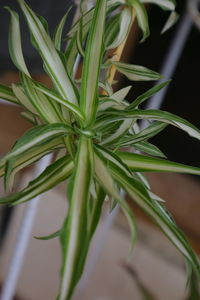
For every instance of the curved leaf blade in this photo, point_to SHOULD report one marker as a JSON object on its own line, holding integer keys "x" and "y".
{"x": 7, "y": 94}
{"x": 74, "y": 237}
{"x": 14, "y": 43}
{"x": 92, "y": 62}
{"x": 51, "y": 58}
{"x": 157, "y": 213}
{"x": 35, "y": 137}
{"x": 157, "y": 115}
{"x": 142, "y": 17}
{"x": 165, "y": 4}
{"x": 52, "y": 175}
{"x": 73, "y": 108}
{"x": 135, "y": 72}
{"x": 142, "y": 163}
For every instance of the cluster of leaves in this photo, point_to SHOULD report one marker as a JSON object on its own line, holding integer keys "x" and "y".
{"x": 92, "y": 127}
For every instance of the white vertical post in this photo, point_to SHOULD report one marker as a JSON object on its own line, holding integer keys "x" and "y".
{"x": 19, "y": 251}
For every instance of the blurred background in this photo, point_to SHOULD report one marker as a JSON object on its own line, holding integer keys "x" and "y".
{"x": 156, "y": 270}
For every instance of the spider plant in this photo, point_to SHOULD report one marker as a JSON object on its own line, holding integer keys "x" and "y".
{"x": 92, "y": 123}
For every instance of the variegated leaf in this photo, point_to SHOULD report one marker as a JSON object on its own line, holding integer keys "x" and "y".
{"x": 51, "y": 58}
{"x": 165, "y": 4}
{"x": 135, "y": 72}
{"x": 74, "y": 237}
{"x": 7, "y": 94}
{"x": 15, "y": 47}
{"x": 139, "y": 194}
{"x": 92, "y": 62}
{"x": 52, "y": 175}
{"x": 141, "y": 163}
{"x": 142, "y": 17}
{"x": 157, "y": 115}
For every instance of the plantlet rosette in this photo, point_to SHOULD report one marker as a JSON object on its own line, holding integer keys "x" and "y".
{"x": 92, "y": 128}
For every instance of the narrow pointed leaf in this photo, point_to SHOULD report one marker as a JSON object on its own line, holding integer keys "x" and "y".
{"x": 170, "y": 21}
{"x": 135, "y": 72}
{"x": 121, "y": 94}
{"x": 31, "y": 156}
{"x": 51, "y": 58}
{"x": 152, "y": 130}
{"x": 74, "y": 234}
{"x": 140, "y": 99}
{"x": 29, "y": 117}
{"x": 124, "y": 28}
{"x": 157, "y": 115}
{"x": 120, "y": 132}
{"x": 58, "y": 32}
{"x": 35, "y": 137}
{"x": 23, "y": 99}
{"x": 157, "y": 213}
{"x": 7, "y": 94}
{"x": 15, "y": 47}
{"x": 106, "y": 181}
{"x": 165, "y": 4}
{"x": 142, "y": 163}
{"x": 49, "y": 111}
{"x": 112, "y": 30}
{"x": 54, "y": 96}
{"x": 52, "y": 175}
{"x": 49, "y": 237}
{"x": 149, "y": 148}
{"x": 92, "y": 62}
{"x": 15, "y": 164}
{"x": 142, "y": 17}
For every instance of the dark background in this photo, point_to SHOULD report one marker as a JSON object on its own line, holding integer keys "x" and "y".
{"x": 51, "y": 10}
{"x": 183, "y": 97}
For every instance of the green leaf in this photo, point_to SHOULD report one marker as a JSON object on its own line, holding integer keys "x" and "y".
{"x": 112, "y": 30}
{"x": 103, "y": 176}
{"x": 49, "y": 111}
{"x": 49, "y": 237}
{"x": 119, "y": 133}
{"x": 31, "y": 156}
{"x": 7, "y": 94}
{"x": 71, "y": 53}
{"x": 23, "y": 99}
{"x": 14, "y": 43}
{"x": 123, "y": 24}
{"x": 29, "y": 117}
{"x": 138, "y": 193}
{"x": 121, "y": 94}
{"x": 54, "y": 96}
{"x": 148, "y": 94}
{"x": 135, "y": 72}
{"x": 150, "y": 131}
{"x": 157, "y": 115}
{"x": 173, "y": 17}
{"x": 36, "y": 137}
{"x": 59, "y": 29}
{"x": 149, "y": 148}
{"x": 165, "y": 4}
{"x": 51, "y": 59}
{"x": 92, "y": 62}
{"x": 142, "y": 163}
{"x": 74, "y": 237}
{"x": 142, "y": 17}
{"x": 15, "y": 164}
{"x": 52, "y": 175}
